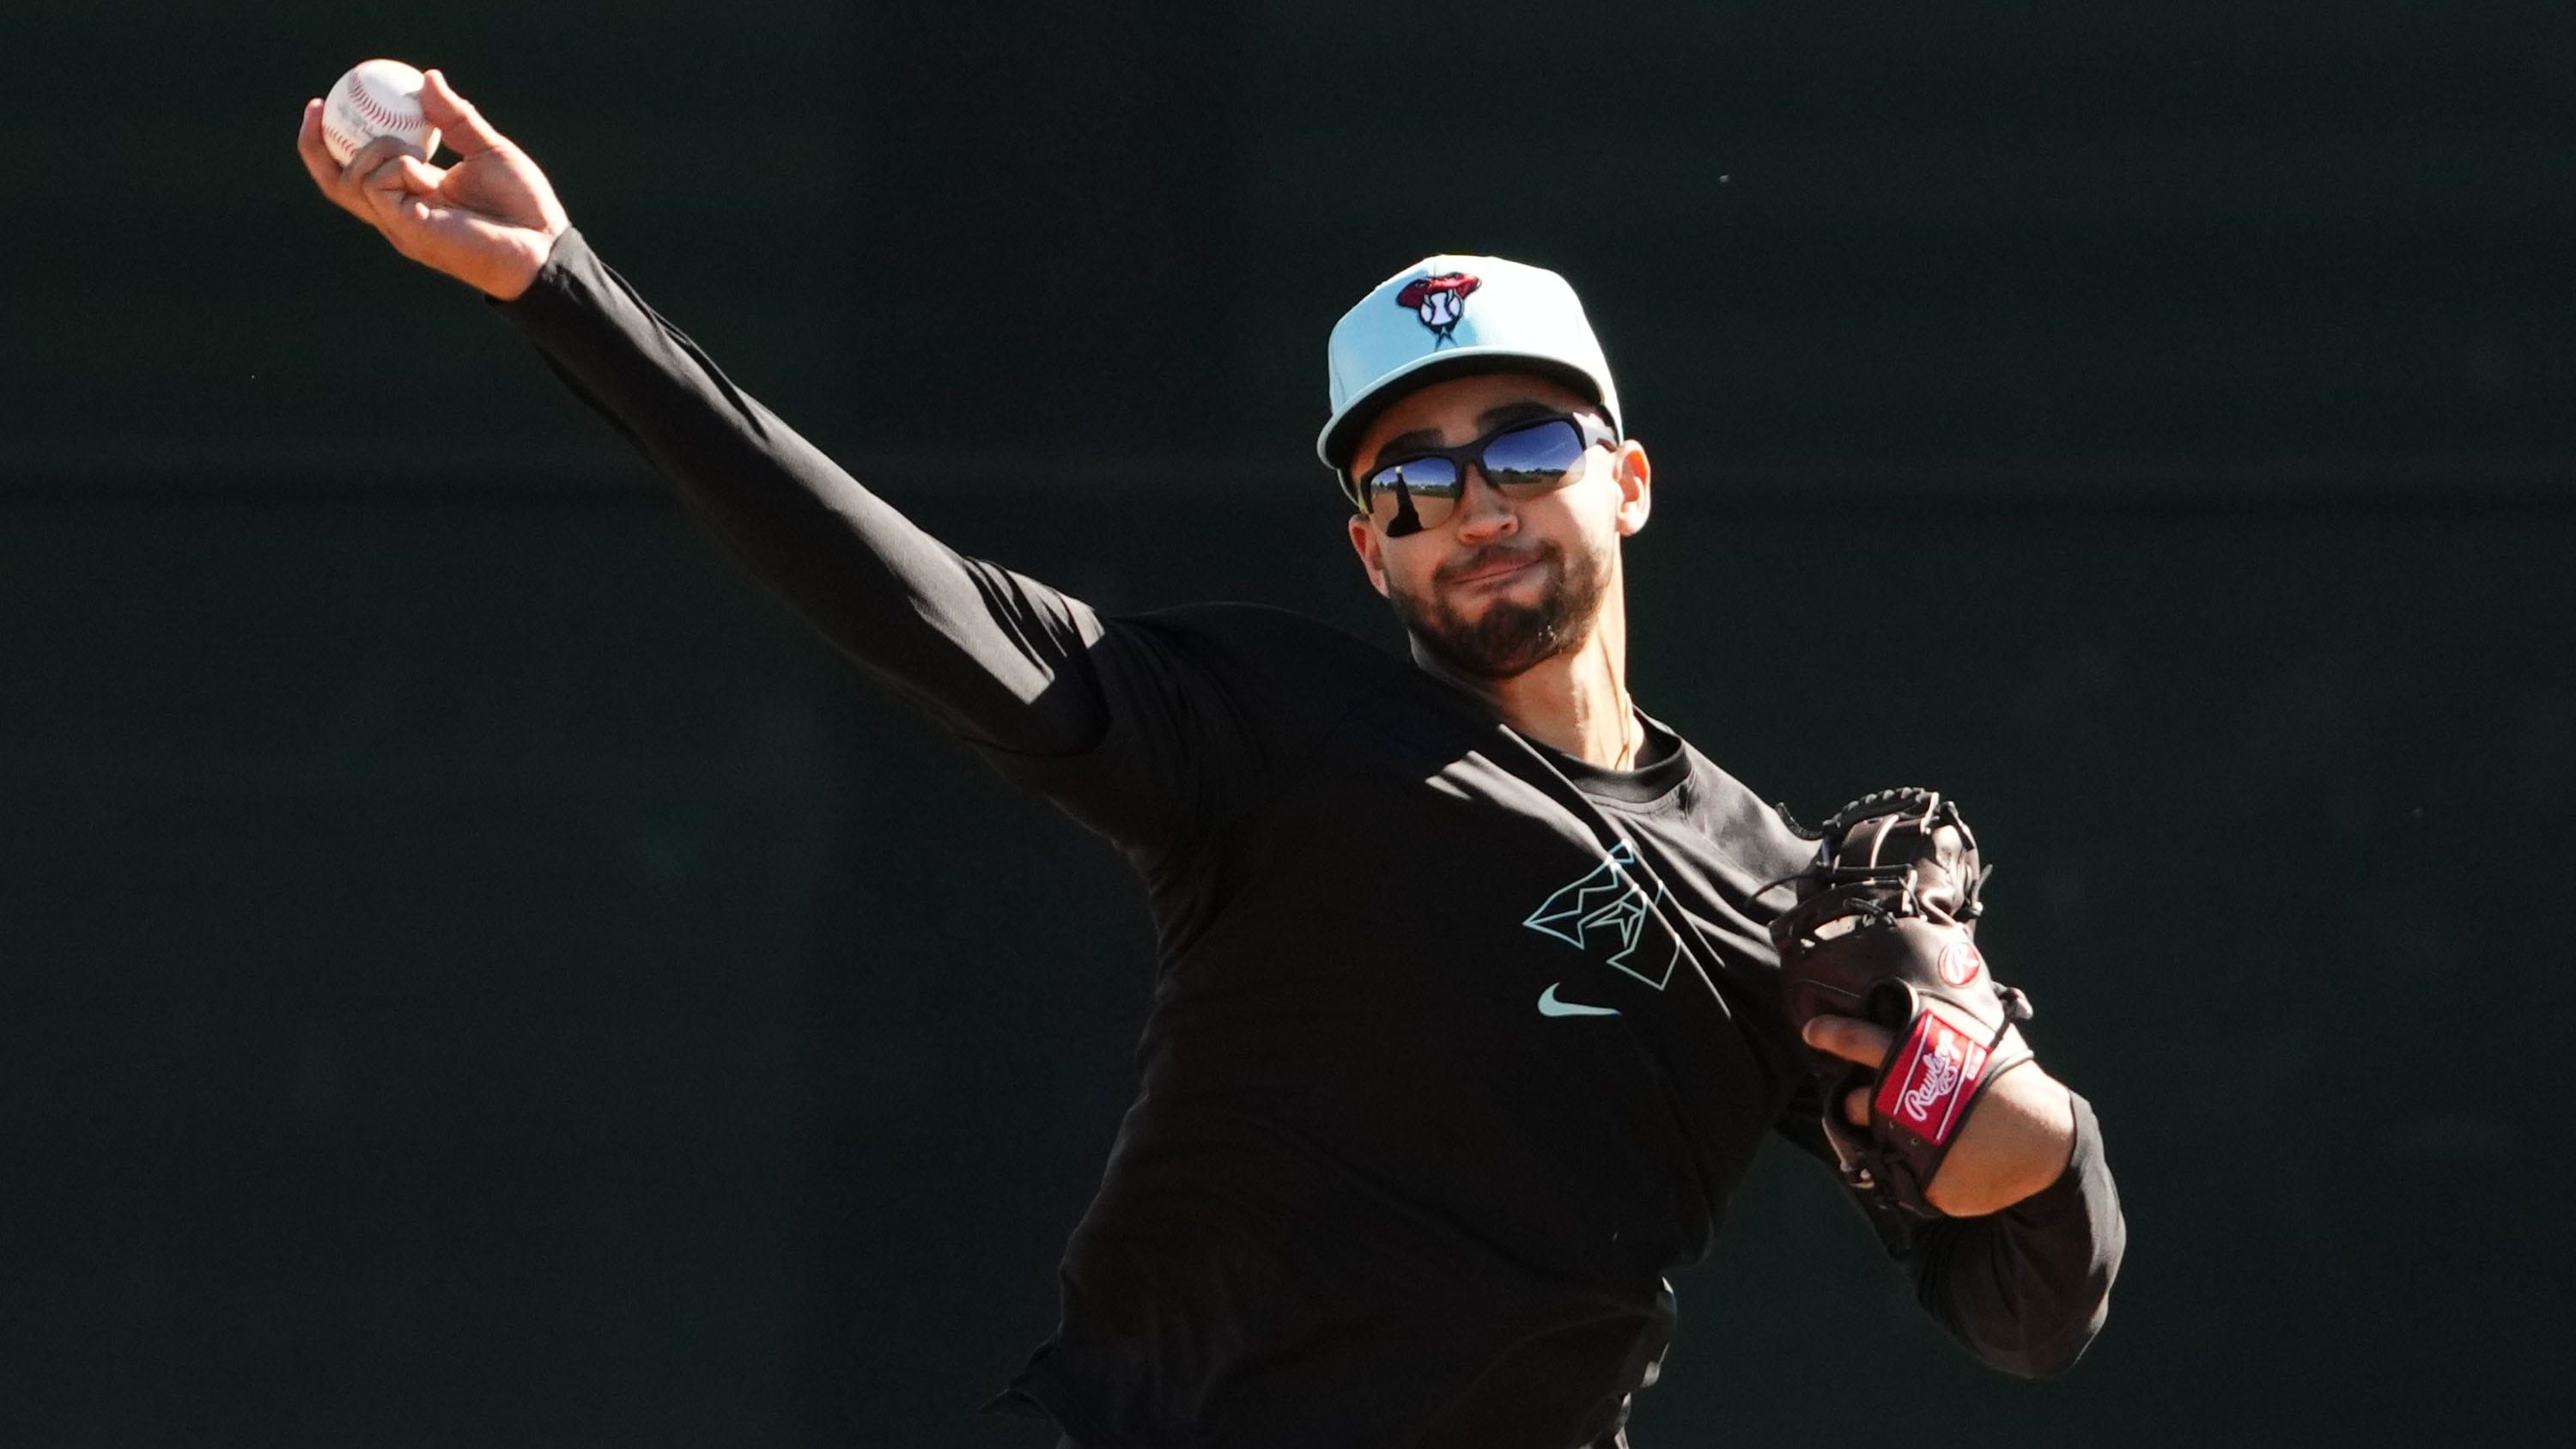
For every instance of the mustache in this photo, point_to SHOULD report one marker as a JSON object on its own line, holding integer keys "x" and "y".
{"x": 1493, "y": 556}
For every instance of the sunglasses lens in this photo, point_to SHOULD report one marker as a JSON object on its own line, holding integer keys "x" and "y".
{"x": 1425, "y": 488}
{"x": 1534, "y": 458}
{"x": 1421, "y": 493}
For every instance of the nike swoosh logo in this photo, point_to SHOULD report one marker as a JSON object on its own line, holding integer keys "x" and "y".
{"x": 1548, "y": 1005}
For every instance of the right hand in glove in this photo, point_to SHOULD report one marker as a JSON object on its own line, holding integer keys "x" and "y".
{"x": 489, "y": 220}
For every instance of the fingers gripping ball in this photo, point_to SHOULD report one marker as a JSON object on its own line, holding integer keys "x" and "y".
{"x": 376, "y": 98}
{"x": 1883, "y": 929}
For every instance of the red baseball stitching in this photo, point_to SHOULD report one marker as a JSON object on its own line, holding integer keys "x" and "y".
{"x": 375, "y": 110}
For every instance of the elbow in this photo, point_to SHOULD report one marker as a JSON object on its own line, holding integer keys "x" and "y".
{"x": 2041, "y": 1366}
{"x": 2051, "y": 1356}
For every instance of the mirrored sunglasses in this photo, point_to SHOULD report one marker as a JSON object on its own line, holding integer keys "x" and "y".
{"x": 1520, "y": 459}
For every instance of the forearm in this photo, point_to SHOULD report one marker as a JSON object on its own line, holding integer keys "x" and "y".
{"x": 998, "y": 656}
{"x": 2026, "y": 1288}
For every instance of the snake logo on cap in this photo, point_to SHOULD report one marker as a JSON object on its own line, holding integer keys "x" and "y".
{"x": 1440, "y": 302}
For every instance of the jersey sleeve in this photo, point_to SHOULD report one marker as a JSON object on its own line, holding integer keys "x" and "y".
{"x": 1022, "y": 671}
{"x": 2025, "y": 1289}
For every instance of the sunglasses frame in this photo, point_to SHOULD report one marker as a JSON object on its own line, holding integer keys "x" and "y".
{"x": 1590, "y": 427}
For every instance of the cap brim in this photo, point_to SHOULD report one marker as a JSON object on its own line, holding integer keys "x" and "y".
{"x": 1343, "y": 430}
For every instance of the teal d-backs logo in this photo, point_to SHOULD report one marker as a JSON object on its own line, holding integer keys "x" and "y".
{"x": 1610, "y": 914}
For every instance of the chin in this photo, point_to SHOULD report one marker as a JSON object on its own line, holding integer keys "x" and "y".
{"x": 1503, "y": 633}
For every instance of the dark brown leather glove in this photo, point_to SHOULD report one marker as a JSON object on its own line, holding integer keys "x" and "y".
{"x": 1882, "y": 929}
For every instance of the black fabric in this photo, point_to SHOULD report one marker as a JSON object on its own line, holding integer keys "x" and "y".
{"x": 1396, "y": 1174}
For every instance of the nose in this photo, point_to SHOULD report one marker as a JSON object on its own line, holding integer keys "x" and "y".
{"x": 1484, "y": 513}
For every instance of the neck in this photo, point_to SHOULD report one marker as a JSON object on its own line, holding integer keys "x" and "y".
{"x": 1576, "y": 701}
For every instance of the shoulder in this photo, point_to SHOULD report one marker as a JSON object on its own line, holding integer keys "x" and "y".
{"x": 1270, "y": 645}
{"x": 1755, "y": 832}
{"x": 1250, "y": 622}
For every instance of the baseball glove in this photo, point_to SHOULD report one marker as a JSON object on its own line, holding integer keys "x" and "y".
{"x": 1881, "y": 930}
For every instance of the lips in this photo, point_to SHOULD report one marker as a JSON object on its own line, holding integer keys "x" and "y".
{"x": 1496, "y": 568}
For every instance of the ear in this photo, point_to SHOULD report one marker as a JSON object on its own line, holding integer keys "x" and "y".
{"x": 1635, "y": 476}
{"x": 1365, "y": 543}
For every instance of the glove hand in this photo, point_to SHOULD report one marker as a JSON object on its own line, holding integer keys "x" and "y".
{"x": 2017, "y": 1141}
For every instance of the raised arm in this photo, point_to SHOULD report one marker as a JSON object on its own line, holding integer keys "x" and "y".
{"x": 998, "y": 657}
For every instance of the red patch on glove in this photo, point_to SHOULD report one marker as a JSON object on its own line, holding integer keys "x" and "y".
{"x": 1935, "y": 1076}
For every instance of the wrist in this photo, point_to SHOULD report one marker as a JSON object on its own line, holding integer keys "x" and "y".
{"x": 2052, "y": 1151}
{"x": 2025, "y": 1139}
{"x": 516, "y": 270}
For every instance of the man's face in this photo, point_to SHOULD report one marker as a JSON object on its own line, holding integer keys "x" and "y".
{"x": 1502, "y": 584}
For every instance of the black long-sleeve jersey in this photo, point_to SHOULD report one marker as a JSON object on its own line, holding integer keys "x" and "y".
{"x": 1458, "y": 1044}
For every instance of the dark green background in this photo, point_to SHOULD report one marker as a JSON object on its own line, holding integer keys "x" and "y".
{"x": 473, "y": 972}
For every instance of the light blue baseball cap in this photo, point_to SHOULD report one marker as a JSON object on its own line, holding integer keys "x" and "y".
{"x": 1446, "y": 316}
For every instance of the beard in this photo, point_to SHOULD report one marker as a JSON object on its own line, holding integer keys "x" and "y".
{"x": 1509, "y": 637}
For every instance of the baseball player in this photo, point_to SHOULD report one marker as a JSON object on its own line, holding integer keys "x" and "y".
{"x": 1470, "y": 1010}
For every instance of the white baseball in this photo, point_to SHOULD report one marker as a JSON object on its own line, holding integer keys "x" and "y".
{"x": 376, "y": 98}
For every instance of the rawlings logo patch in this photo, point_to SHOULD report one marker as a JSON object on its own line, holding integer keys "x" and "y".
{"x": 1960, "y": 963}
{"x": 1440, "y": 302}
{"x": 1936, "y": 1072}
